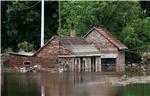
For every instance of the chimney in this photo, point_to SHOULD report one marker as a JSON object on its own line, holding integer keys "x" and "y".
{"x": 72, "y": 31}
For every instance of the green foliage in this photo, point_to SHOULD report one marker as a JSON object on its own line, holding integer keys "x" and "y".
{"x": 130, "y": 37}
{"x": 25, "y": 46}
{"x": 22, "y": 22}
{"x": 111, "y": 15}
{"x": 136, "y": 35}
{"x": 5, "y": 57}
{"x": 125, "y": 20}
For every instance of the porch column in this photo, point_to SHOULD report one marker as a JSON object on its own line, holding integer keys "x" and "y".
{"x": 98, "y": 64}
{"x": 76, "y": 65}
{"x": 89, "y": 64}
{"x": 73, "y": 64}
{"x": 86, "y": 64}
{"x": 79, "y": 64}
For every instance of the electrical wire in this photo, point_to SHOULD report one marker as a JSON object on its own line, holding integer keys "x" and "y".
{"x": 140, "y": 47}
{"x": 27, "y": 8}
{"x": 32, "y": 5}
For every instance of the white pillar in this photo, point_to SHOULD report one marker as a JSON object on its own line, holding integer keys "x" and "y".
{"x": 98, "y": 64}
{"x": 90, "y": 64}
{"x": 42, "y": 24}
{"x": 79, "y": 64}
{"x": 73, "y": 64}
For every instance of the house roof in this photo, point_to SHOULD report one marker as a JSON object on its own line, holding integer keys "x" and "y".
{"x": 72, "y": 40}
{"x": 78, "y": 45}
{"x": 81, "y": 55}
{"x": 22, "y": 53}
{"x": 109, "y": 37}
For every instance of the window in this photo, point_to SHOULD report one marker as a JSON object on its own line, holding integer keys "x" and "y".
{"x": 27, "y": 63}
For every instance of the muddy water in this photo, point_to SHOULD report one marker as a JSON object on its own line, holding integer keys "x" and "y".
{"x": 67, "y": 84}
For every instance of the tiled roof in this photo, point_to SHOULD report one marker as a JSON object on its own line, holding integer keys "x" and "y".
{"x": 76, "y": 44}
{"x": 72, "y": 40}
{"x": 80, "y": 49}
{"x": 109, "y": 37}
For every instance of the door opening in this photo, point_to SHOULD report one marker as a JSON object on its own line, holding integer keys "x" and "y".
{"x": 93, "y": 64}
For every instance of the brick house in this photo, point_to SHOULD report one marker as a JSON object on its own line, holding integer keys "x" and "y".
{"x": 112, "y": 50}
{"x": 95, "y": 51}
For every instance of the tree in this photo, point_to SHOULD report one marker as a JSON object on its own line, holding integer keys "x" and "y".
{"x": 111, "y": 15}
{"x": 136, "y": 35}
{"x": 146, "y": 7}
{"x": 125, "y": 20}
{"x": 21, "y": 21}
{"x": 25, "y": 46}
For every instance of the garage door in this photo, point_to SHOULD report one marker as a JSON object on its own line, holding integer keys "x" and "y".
{"x": 108, "y": 64}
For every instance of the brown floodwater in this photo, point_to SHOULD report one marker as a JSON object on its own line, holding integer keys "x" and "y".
{"x": 67, "y": 84}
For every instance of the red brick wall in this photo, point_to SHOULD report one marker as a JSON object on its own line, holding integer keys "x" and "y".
{"x": 46, "y": 57}
{"x": 52, "y": 50}
{"x": 17, "y": 61}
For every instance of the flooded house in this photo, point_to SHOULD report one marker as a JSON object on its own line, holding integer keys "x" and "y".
{"x": 112, "y": 50}
{"x": 96, "y": 51}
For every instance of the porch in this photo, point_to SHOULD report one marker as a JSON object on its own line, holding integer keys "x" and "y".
{"x": 78, "y": 63}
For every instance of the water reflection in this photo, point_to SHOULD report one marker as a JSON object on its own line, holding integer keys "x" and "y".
{"x": 66, "y": 84}
{"x": 73, "y": 85}
{"x": 19, "y": 85}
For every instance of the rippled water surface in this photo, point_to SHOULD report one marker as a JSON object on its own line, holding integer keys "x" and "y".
{"x": 67, "y": 84}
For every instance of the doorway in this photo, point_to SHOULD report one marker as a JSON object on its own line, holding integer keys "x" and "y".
{"x": 82, "y": 65}
{"x": 93, "y": 64}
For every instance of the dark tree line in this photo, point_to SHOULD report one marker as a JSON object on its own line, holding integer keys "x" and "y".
{"x": 129, "y": 21}
{"x": 21, "y": 21}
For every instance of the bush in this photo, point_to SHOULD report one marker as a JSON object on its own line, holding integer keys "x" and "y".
{"x": 5, "y": 57}
{"x": 26, "y": 46}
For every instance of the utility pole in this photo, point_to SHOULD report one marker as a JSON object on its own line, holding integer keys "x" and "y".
{"x": 59, "y": 8}
{"x": 42, "y": 23}
{"x": 59, "y": 14}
